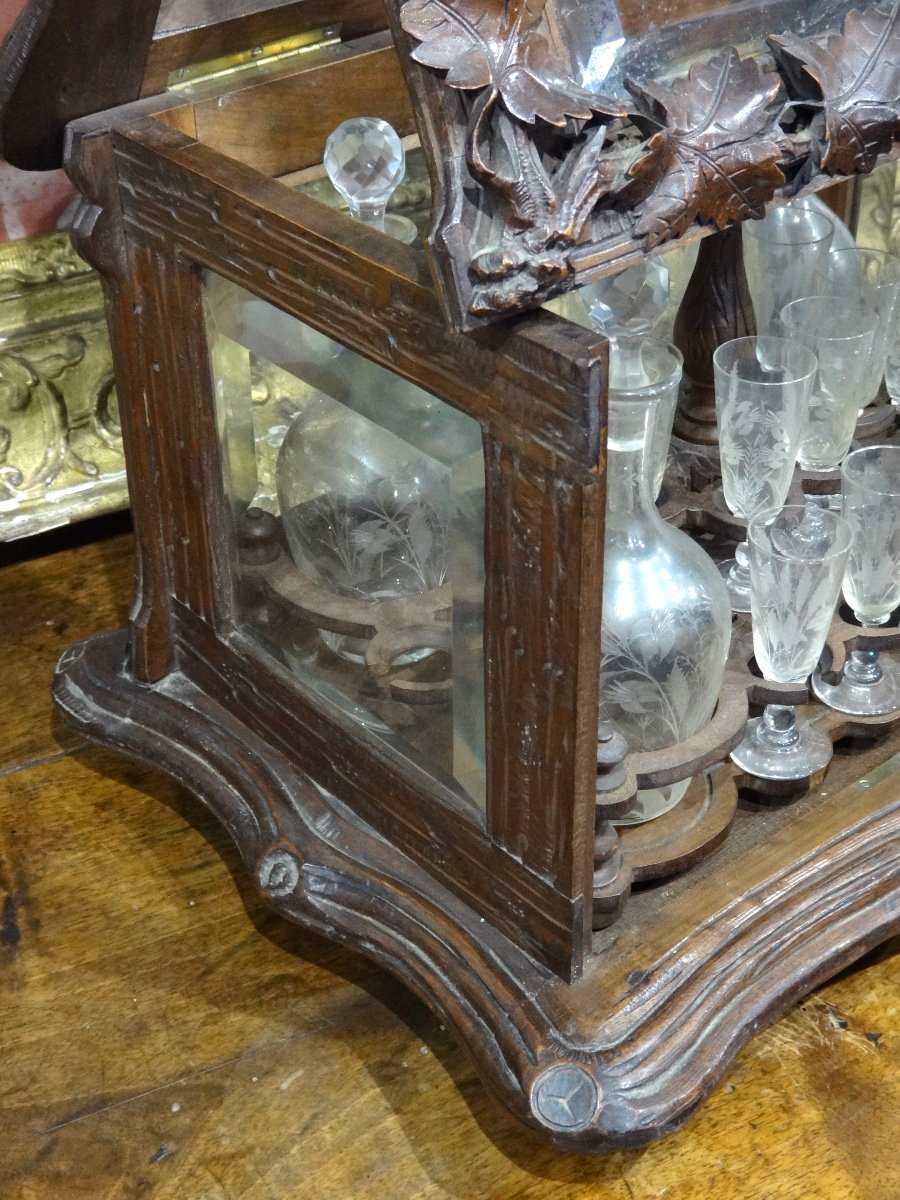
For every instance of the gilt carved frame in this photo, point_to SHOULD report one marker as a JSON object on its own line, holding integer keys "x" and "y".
{"x": 541, "y": 185}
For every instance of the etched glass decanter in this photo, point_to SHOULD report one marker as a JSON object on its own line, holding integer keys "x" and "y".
{"x": 370, "y": 495}
{"x": 666, "y": 613}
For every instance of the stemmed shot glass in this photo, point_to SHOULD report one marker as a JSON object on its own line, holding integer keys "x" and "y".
{"x": 783, "y": 253}
{"x": 841, "y": 339}
{"x": 763, "y": 390}
{"x": 870, "y": 279}
{"x": 871, "y": 506}
{"x": 797, "y": 559}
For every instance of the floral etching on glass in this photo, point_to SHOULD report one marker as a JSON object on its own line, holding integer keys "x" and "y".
{"x": 757, "y": 450}
{"x": 791, "y": 622}
{"x": 650, "y": 687}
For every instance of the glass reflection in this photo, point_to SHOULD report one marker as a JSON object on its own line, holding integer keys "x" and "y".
{"x": 361, "y": 500}
{"x": 613, "y": 39}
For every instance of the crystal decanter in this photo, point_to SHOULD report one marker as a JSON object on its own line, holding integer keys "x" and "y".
{"x": 368, "y": 494}
{"x": 666, "y": 614}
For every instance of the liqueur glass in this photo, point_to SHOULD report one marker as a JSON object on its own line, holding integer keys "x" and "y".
{"x": 841, "y": 338}
{"x": 782, "y": 255}
{"x": 871, "y": 506}
{"x": 870, "y": 278}
{"x": 650, "y": 370}
{"x": 763, "y": 389}
{"x": 797, "y": 559}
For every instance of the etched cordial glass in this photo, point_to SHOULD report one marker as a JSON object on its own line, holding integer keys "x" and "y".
{"x": 783, "y": 254}
{"x": 871, "y": 279}
{"x": 365, "y": 161}
{"x": 763, "y": 389}
{"x": 871, "y": 506}
{"x": 649, "y": 370}
{"x": 797, "y": 558}
{"x": 666, "y": 619}
{"x": 840, "y": 336}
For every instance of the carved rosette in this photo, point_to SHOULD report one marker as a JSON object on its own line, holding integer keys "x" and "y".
{"x": 568, "y": 179}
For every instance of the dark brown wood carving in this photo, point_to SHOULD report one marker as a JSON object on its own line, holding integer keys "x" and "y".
{"x": 512, "y": 57}
{"x": 542, "y": 185}
{"x": 597, "y": 1033}
{"x": 716, "y": 153}
{"x": 610, "y": 1063}
{"x": 852, "y": 79}
{"x": 509, "y": 51}
{"x": 716, "y": 307}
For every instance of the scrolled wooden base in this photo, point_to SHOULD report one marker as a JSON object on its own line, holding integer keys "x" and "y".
{"x": 615, "y": 1060}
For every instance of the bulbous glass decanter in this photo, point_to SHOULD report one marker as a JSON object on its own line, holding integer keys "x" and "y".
{"x": 367, "y": 493}
{"x": 666, "y": 614}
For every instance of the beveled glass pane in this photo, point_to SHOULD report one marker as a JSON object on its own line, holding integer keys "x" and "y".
{"x": 614, "y": 39}
{"x": 358, "y": 501}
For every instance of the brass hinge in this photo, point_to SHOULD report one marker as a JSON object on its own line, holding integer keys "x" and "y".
{"x": 263, "y": 59}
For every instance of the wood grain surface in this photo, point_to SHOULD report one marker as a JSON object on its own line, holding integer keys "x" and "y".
{"x": 535, "y": 387}
{"x": 164, "y": 1035}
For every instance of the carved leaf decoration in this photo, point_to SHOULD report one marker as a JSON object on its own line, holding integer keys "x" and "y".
{"x": 531, "y": 202}
{"x": 716, "y": 159}
{"x": 509, "y": 46}
{"x": 856, "y": 74}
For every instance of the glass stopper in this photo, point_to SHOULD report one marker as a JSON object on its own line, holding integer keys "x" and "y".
{"x": 632, "y": 303}
{"x": 365, "y": 161}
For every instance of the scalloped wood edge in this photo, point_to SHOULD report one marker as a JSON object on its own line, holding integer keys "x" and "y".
{"x": 614, "y": 1061}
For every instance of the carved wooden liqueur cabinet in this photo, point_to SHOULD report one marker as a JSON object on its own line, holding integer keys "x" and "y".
{"x": 421, "y": 775}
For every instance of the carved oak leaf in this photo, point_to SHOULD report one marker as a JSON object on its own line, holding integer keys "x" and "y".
{"x": 857, "y": 75}
{"x": 716, "y": 159}
{"x": 509, "y": 46}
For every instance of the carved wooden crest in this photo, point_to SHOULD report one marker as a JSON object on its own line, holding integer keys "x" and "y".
{"x": 543, "y": 183}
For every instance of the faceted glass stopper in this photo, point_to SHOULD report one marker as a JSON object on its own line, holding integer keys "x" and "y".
{"x": 365, "y": 161}
{"x": 632, "y": 303}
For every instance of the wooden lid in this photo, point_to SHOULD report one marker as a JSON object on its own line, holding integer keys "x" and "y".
{"x": 65, "y": 59}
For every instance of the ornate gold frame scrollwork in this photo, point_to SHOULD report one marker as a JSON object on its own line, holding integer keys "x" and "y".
{"x": 60, "y": 446}
{"x": 541, "y": 185}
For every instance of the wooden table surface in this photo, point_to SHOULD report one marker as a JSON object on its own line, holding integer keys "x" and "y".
{"x": 163, "y": 1035}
